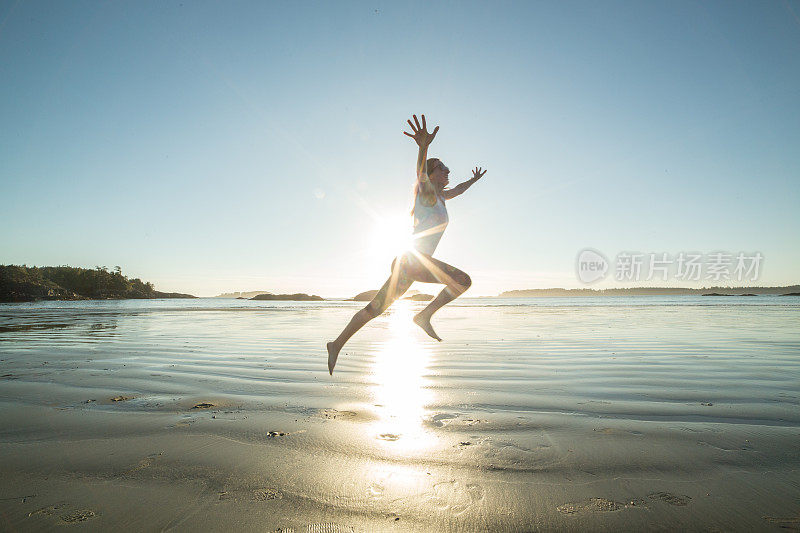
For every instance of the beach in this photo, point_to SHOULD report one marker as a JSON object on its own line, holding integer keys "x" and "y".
{"x": 534, "y": 414}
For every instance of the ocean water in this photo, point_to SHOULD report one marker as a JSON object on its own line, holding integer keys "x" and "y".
{"x": 733, "y": 359}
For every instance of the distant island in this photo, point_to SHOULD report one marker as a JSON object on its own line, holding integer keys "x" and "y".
{"x": 21, "y": 283}
{"x": 367, "y": 296}
{"x": 241, "y": 295}
{"x": 653, "y": 291}
{"x": 419, "y": 297}
{"x": 297, "y": 297}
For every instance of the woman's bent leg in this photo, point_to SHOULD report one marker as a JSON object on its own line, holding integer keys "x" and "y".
{"x": 395, "y": 286}
{"x": 434, "y": 271}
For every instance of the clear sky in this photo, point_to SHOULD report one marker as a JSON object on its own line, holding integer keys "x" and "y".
{"x": 219, "y": 146}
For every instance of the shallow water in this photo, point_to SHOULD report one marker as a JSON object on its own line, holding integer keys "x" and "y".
{"x": 643, "y": 358}
{"x": 578, "y": 390}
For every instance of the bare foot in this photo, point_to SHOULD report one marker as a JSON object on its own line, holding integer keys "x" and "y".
{"x": 425, "y": 323}
{"x": 333, "y": 355}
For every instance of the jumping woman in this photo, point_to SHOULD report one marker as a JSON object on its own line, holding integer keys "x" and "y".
{"x": 418, "y": 264}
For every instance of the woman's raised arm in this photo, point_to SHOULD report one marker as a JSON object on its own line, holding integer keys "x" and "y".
{"x": 423, "y": 140}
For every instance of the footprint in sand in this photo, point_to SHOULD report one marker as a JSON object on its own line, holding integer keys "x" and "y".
{"x": 81, "y": 515}
{"x": 50, "y": 509}
{"x": 455, "y": 497}
{"x": 388, "y": 436}
{"x": 268, "y": 493}
{"x": 604, "y": 505}
{"x": 590, "y": 505}
{"x": 672, "y": 499}
{"x": 144, "y": 463}
{"x": 441, "y": 420}
{"x": 375, "y": 491}
{"x": 594, "y": 505}
{"x": 65, "y": 515}
{"x": 261, "y": 494}
{"x": 120, "y": 399}
{"x": 334, "y": 414}
{"x": 325, "y": 527}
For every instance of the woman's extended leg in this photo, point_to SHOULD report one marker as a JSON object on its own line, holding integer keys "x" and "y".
{"x": 412, "y": 267}
{"x": 430, "y": 270}
{"x": 397, "y": 284}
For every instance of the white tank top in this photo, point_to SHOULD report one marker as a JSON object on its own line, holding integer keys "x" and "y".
{"x": 429, "y": 224}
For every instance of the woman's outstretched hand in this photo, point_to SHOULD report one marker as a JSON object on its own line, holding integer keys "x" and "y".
{"x": 421, "y": 135}
{"x": 477, "y": 174}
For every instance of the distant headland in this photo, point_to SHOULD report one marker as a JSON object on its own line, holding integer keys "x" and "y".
{"x": 28, "y": 284}
{"x": 241, "y": 295}
{"x": 297, "y": 297}
{"x": 367, "y": 296}
{"x": 266, "y": 295}
{"x": 654, "y": 291}
{"x": 419, "y": 297}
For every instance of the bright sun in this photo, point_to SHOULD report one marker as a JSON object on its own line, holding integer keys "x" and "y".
{"x": 391, "y": 236}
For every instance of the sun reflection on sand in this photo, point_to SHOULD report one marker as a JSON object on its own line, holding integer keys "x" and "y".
{"x": 399, "y": 390}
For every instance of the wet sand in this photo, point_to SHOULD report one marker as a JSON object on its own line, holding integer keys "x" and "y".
{"x": 675, "y": 414}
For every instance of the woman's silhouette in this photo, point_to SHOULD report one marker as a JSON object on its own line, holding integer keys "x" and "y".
{"x": 430, "y": 220}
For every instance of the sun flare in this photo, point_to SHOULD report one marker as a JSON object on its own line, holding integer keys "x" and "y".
{"x": 391, "y": 236}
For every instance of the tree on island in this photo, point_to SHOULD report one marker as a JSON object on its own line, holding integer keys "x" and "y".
{"x": 24, "y": 284}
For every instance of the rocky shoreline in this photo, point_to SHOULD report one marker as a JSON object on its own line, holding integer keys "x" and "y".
{"x": 30, "y": 284}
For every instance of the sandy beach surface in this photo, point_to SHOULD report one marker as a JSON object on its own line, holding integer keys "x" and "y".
{"x": 550, "y": 414}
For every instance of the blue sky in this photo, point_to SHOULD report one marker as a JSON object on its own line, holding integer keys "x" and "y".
{"x": 211, "y": 147}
